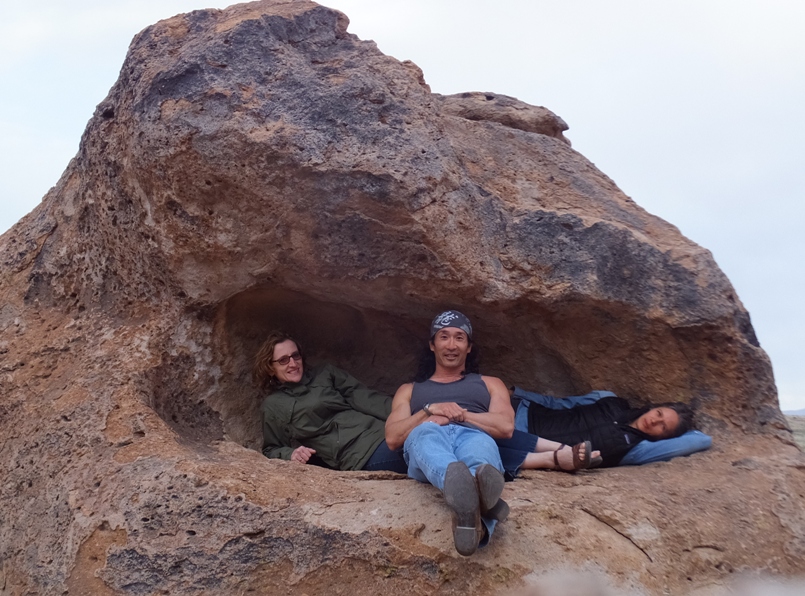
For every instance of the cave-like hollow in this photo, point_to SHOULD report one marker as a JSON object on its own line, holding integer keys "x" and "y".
{"x": 567, "y": 351}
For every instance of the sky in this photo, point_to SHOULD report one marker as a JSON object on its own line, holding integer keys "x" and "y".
{"x": 693, "y": 107}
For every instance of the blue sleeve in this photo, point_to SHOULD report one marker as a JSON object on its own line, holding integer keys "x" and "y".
{"x": 647, "y": 452}
{"x": 561, "y": 403}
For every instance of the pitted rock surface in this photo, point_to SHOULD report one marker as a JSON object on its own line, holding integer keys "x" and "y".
{"x": 259, "y": 167}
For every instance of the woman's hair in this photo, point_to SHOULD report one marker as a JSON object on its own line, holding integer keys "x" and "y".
{"x": 685, "y": 413}
{"x": 263, "y": 372}
{"x": 427, "y": 363}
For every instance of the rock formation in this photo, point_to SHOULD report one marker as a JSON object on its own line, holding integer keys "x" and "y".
{"x": 260, "y": 166}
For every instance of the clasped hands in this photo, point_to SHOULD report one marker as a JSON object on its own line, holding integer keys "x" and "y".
{"x": 446, "y": 412}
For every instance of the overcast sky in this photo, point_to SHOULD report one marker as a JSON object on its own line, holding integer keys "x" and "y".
{"x": 693, "y": 107}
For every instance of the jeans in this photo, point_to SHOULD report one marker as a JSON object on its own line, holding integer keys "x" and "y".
{"x": 430, "y": 448}
{"x": 514, "y": 451}
{"x": 385, "y": 459}
{"x": 645, "y": 452}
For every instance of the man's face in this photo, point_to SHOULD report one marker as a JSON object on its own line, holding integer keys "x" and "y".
{"x": 658, "y": 422}
{"x": 450, "y": 346}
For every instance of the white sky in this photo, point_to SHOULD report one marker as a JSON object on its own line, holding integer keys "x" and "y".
{"x": 693, "y": 107}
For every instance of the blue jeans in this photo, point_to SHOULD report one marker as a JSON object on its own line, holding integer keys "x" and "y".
{"x": 645, "y": 452}
{"x": 430, "y": 448}
{"x": 514, "y": 451}
{"x": 384, "y": 458}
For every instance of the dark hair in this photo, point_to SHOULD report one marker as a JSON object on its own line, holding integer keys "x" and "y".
{"x": 262, "y": 371}
{"x": 685, "y": 413}
{"x": 427, "y": 363}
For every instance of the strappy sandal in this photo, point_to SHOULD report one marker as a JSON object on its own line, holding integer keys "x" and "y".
{"x": 579, "y": 462}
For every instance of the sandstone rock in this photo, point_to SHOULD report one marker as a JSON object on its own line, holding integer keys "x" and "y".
{"x": 509, "y": 111}
{"x": 260, "y": 166}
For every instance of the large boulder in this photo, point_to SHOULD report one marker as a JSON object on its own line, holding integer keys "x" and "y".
{"x": 260, "y": 167}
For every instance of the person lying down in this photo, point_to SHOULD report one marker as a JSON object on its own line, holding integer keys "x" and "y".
{"x": 604, "y": 429}
{"x": 304, "y": 407}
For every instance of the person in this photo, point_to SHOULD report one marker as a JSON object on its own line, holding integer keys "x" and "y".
{"x": 447, "y": 421}
{"x": 320, "y": 415}
{"x": 624, "y": 435}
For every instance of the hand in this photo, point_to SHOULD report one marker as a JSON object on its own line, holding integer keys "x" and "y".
{"x": 440, "y": 420}
{"x": 302, "y": 454}
{"x": 450, "y": 410}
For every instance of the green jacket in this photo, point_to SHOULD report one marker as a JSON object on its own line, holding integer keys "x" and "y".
{"x": 329, "y": 411}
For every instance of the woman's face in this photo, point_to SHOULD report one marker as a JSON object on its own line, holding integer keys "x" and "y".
{"x": 291, "y": 371}
{"x": 658, "y": 422}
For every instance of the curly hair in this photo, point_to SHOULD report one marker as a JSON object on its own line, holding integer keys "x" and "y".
{"x": 262, "y": 371}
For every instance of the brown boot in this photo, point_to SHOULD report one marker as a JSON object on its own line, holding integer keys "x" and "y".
{"x": 490, "y": 486}
{"x": 461, "y": 495}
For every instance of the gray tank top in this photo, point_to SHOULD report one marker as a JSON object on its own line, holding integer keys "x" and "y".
{"x": 469, "y": 392}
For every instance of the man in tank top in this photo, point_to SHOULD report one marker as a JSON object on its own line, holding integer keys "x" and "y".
{"x": 447, "y": 421}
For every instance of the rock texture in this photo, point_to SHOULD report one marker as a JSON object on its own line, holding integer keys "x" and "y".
{"x": 259, "y": 167}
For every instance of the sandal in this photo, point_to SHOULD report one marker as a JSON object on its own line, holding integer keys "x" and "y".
{"x": 579, "y": 462}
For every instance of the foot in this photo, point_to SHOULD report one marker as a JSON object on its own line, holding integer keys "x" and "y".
{"x": 461, "y": 495}
{"x": 490, "y": 486}
{"x": 578, "y": 457}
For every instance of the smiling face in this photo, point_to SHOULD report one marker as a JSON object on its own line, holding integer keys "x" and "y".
{"x": 658, "y": 422}
{"x": 450, "y": 346}
{"x": 291, "y": 371}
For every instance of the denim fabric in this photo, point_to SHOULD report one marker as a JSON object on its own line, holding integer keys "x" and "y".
{"x": 514, "y": 451}
{"x": 554, "y": 403}
{"x": 430, "y": 448}
{"x": 563, "y": 403}
{"x": 385, "y": 459}
{"x": 645, "y": 452}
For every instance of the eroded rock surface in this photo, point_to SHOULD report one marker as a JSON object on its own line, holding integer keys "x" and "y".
{"x": 259, "y": 167}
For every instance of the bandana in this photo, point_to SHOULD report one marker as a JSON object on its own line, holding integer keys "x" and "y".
{"x": 451, "y": 318}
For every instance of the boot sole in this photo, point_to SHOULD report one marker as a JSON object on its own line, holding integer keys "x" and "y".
{"x": 461, "y": 495}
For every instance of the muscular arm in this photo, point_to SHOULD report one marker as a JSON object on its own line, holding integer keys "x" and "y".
{"x": 400, "y": 422}
{"x": 498, "y": 422}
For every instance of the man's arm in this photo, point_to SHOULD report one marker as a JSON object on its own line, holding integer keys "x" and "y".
{"x": 498, "y": 422}
{"x": 400, "y": 422}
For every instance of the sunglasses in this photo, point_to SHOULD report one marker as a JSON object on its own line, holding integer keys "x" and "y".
{"x": 286, "y": 359}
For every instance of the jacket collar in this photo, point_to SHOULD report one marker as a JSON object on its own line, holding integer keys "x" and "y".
{"x": 299, "y": 388}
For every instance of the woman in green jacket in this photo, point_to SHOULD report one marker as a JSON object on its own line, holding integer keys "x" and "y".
{"x": 321, "y": 413}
